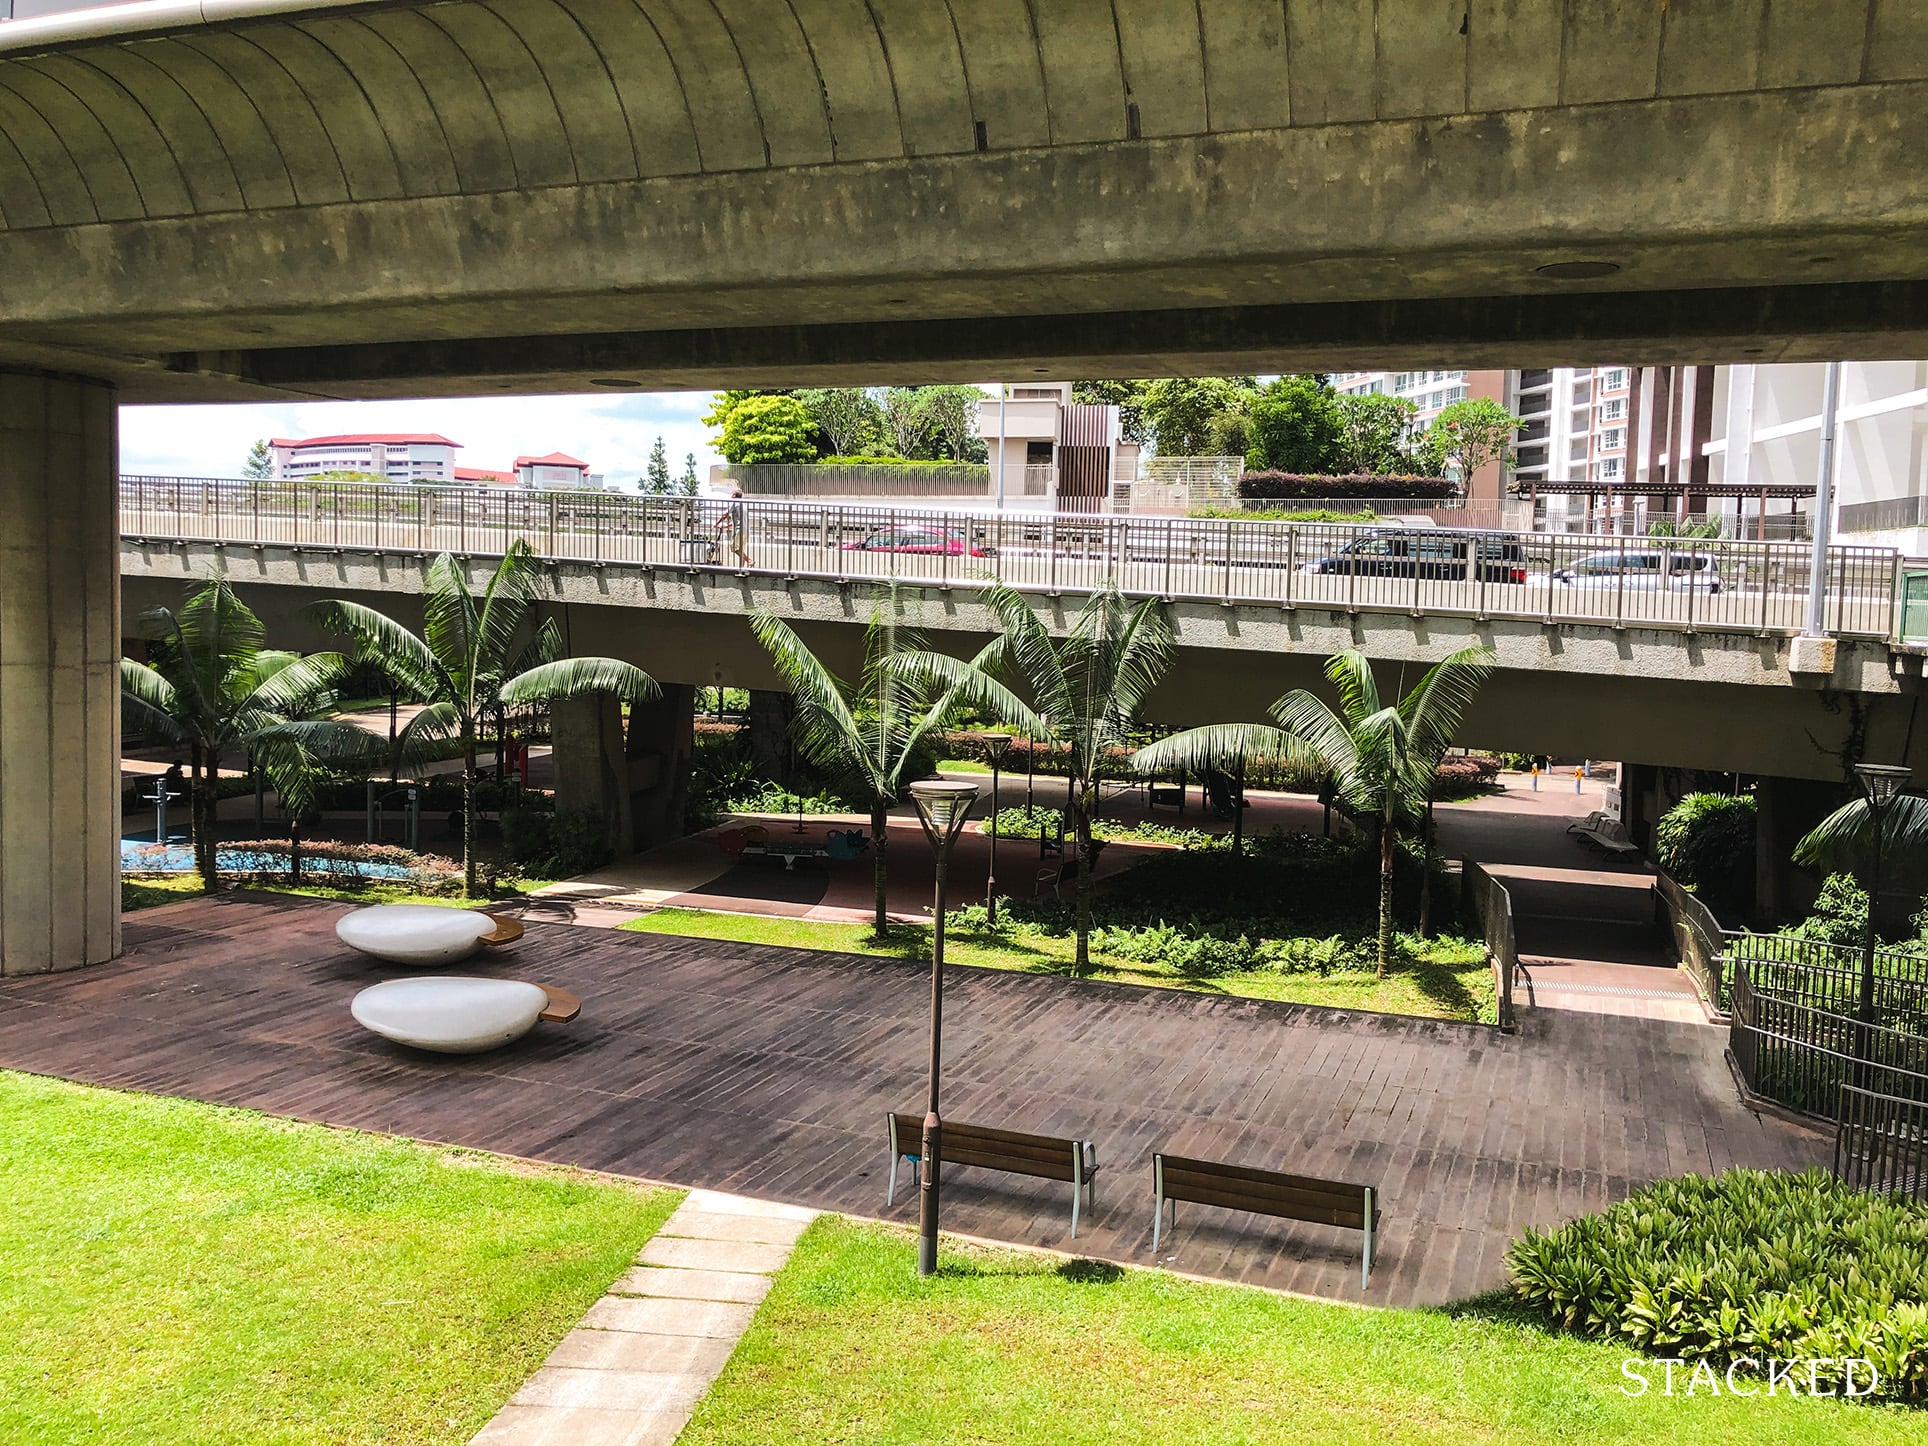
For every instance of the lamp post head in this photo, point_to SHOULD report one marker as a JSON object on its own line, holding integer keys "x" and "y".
{"x": 1882, "y": 781}
{"x": 994, "y": 745}
{"x": 942, "y": 806}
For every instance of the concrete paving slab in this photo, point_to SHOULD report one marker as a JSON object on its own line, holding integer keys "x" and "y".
{"x": 716, "y": 1202}
{"x": 721, "y": 1285}
{"x": 660, "y": 1315}
{"x": 708, "y": 1225}
{"x": 736, "y": 1255}
{"x": 607, "y": 1350}
{"x": 579, "y": 1426}
{"x": 612, "y": 1390}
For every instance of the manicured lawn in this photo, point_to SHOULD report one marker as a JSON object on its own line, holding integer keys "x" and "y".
{"x": 145, "y": 893}
{"x": 1460, "y": 989}
{"x": 1002, "y": 1349}
{"x": 174, "y": 1272}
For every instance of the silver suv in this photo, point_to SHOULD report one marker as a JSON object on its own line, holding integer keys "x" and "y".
{"x": 1646, "y": 570}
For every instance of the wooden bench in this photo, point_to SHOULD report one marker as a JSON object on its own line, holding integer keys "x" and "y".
{"x": 1264, "y": 1192}
{"x": 984, "y": 1148}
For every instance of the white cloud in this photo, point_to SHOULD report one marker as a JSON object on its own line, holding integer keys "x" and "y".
{"x": 613, "y": 434}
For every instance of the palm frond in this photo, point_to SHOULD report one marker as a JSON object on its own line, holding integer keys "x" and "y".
{"x": 292, "y": 684}
{"x": 1844, "y": 840}
{"x": 506, "y": 600}
{"x": 1434, "y": 710}
{"x": 826, "y": 726}
{"x": 568, "y": 678}
{"x": 971, "y": 684}
{"x": 449, "y": 623}
{"x": 544, "y": 647}
{"x": 380, "y": 640}
{"x": 1198, "y": 749}
{"x": 1028, "y": 647}
{"x": 150, "y": 700}
{"x": 1328, "y": 741}
{"x": 1351, "y": 673}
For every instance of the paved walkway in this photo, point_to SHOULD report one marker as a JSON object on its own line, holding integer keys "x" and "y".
{"x": 645, "y": 1354}
{"x": 767, "y": 1072}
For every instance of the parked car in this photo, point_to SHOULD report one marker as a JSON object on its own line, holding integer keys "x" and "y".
{"x": 1646, "y": 570}
{"x": 1440, "y": 552}
{"x": 924, "y": 540}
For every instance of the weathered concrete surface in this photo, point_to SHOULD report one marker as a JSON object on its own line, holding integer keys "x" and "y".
{"x": 1704, "y": 700}
{"x": 60, "y": 631}
{"x": 290, "y": 199}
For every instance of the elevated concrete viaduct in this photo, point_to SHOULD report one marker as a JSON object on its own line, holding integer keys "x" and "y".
{"x": 1713, "y": 700}
{"x": 276, "y": 199}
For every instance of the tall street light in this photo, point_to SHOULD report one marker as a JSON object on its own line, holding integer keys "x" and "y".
{"x": 942, "y": 807}
{"x": 1881, "y": 782}
{"x": 994, "y": 746}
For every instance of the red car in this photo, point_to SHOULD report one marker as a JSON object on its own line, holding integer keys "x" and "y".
{"x": 926, "y": 540}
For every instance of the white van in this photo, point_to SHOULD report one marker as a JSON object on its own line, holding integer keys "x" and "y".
{"x": 1655, "y": 570}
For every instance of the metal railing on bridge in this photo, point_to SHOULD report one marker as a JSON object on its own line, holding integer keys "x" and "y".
{"x": 1758, "y": 587}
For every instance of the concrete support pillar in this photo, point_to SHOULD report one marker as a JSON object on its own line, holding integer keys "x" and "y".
{"x": 59, "y": 674}
{"x": 662, "y": 741}
{"x": 591, "y": 767}
{"x": 1639, "y": 786}
{"x": 770, "y": 717}
{"x": 1786, "y": 809}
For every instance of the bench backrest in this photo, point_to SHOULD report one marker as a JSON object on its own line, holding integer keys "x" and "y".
{"x": 1264, "y": 1192}
{"x": 1013, "y": 1151}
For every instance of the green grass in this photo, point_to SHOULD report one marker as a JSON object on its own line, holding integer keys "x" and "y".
{"x": 1445, "y": 991}
{"x": 180, "y": 1273}
{"x": 145, "y": 893}
{"x": 1003, "y": 1349}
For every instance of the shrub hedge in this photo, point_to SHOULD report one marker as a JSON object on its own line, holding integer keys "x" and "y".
{"x": 1292, "y": 485}
{"x": 1706, "y": 841}
{"x": 1742, "y": 1267}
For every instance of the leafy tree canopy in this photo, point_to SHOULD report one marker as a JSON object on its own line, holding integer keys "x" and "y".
{"x": 762, "y": 429}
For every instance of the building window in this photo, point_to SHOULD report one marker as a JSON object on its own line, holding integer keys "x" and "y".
{"x": 1616, "y": 378}
{"x": 1613, "y": 439}
{"x": 1610, "y": 469}
{"x": 1614, "y": 410}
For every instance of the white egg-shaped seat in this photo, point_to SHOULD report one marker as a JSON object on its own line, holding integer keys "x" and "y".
{"x": 451, "y": 1014}
{"x": 417, "y": 934}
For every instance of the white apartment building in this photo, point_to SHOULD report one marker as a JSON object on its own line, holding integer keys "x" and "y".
{"x": 397, "y": 456}
{"x": 1766, "y": 433}
{"x": 1573, "y": 445}
{"x": 1431, "y": 391}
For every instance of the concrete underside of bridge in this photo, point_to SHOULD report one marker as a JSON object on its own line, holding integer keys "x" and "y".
{"x": 248, "y": 199}
{"x": 1722, "y": 701}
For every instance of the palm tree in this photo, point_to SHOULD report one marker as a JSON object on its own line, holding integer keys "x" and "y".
{"x": 472, "y": 658}
{"x": 1382, "y": 758}
{"x": 1085, "y": 691}
{"x": 214, "y": 687}
{"x": 870, "y": 731}
{"x": 1844, "y": 841}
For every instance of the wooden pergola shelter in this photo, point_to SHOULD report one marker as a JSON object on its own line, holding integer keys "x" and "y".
{"x": 1681, "y": 501}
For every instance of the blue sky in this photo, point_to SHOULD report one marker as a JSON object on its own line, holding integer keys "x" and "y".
{"x": 613, "y": 434}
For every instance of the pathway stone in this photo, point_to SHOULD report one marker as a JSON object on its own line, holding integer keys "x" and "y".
{"x": 633, "y": 1371}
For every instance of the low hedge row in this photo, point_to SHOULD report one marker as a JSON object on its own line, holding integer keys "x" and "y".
{"x": 1745, "y": 1267}
{"x": 1303, "y": 484}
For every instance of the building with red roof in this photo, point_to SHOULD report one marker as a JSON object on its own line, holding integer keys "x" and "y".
{"x": 391, "y": 456}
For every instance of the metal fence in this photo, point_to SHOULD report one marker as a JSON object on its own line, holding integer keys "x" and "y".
{"x": 1698, "y": 938}
{"x": 1882, "y": 1144}
{"x": 1793, "y": 1052}
{"x": 1736, "y": 586}
{"x": 1486, "y": 899}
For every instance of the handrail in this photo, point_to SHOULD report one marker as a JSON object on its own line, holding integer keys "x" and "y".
{"x": 1735, "y": 586}
{"x": 1487, "y": 899}
{"x": 1699, "y": 940}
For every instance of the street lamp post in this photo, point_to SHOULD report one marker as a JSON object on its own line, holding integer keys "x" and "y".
{"x": 994, "y": 746}
{"x": 1881, "y": 782}
{"x": 942, "y": 807}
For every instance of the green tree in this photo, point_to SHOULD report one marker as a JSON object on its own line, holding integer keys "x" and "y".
{"x": 906, "y": 420}
{"x": 214, "y": 687}
{"x": 1127, "y": 396}
{"x": 260, "y": 464}
{"x": 1085, "y": 690}
{"x": 1180, "y": 411}
{"x": 688, "y": 481}
{"x": 1294, "y": 427}
{"x": 847, "y": 416}
{"x": 656, "y": 478}
{"x": 473, "y": 657}
{"x": 1376, "y": 434}
{"x": 951, "y": 414}
{"x": 1466, "y": 435}
{"x": 1382, "y": 758}
{"x": 872, "y": 732}
{"x": 1844, "y": 840}
{"x": 765, "y": 429}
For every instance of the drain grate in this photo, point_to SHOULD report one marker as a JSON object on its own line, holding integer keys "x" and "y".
{"x": 1619, "y": 990}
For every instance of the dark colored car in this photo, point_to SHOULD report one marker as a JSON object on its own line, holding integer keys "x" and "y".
{"x": 1430, "y": 553}
{"x": 929, "y": 541}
